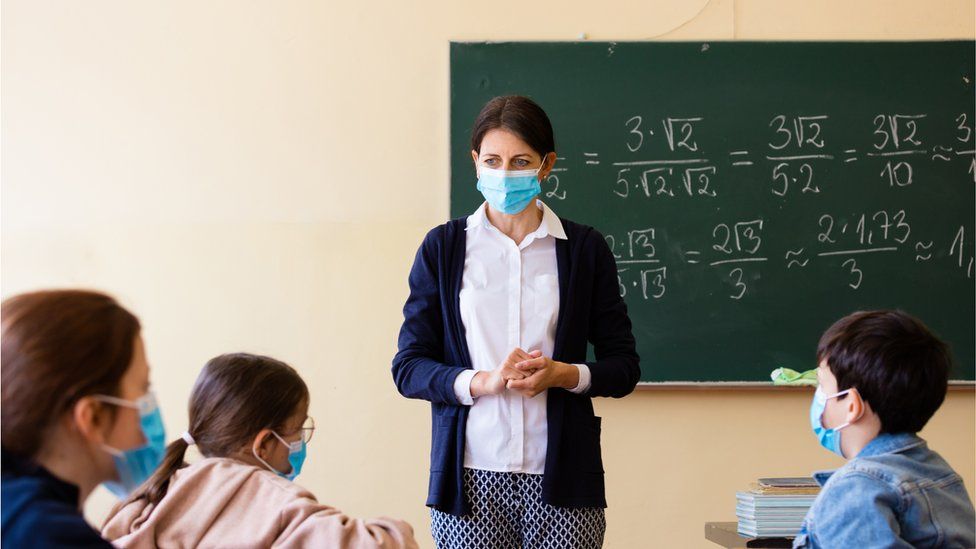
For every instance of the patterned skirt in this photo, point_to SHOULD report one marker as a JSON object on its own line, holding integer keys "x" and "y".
{"x": 507, "y": 512}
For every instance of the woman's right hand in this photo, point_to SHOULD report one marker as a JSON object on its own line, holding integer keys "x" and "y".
{"x": 494, "y": 382}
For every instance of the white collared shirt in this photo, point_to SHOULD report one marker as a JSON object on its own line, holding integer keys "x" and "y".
{"x": 509, "y": 298}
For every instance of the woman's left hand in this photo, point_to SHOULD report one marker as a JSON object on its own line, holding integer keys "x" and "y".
{"x": 544, "y": 373}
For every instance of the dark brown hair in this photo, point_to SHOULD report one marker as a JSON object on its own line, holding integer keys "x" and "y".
{"x": 894, "y": 361}
{"x": 57, "y": 347}
{"x": 519, "y": 115}
{"x": 235, "y": 396}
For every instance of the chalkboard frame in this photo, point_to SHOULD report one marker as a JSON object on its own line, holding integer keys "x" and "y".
{"x": 457, "y": 49}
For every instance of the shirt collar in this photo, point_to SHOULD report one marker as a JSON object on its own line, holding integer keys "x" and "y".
{"x": 885, "y": 443}
{"x": 550, "y": 225}
{"x": 888, "y": 443}
{"x": 553, "y": 225}
{"x": 479, "y": 218}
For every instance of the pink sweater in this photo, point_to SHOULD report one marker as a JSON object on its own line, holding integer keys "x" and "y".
{"x": 221, "y": 502}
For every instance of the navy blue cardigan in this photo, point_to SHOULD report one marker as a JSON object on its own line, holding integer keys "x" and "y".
{"x": 433, "y": 351}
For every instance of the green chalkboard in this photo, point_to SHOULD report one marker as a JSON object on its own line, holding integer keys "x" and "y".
{"x": 753, "y": 192}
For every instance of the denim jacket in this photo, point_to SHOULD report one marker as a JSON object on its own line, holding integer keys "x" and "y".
{"x": 895, "y": 493}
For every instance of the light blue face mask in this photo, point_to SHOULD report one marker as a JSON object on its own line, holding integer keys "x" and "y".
{"x": 509, "y": 192}
{"x": 296, "y": 457}
{"x": 829, "y": 438}
{"x": 136, "y": 465}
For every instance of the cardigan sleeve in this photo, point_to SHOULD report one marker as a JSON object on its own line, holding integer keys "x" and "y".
{"x": 419, "y": 370}
{"x": 616, "y": 370}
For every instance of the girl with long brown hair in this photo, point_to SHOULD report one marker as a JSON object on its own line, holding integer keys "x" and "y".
{"x": 76, "y": 412}
{"x": 249, "y": 418}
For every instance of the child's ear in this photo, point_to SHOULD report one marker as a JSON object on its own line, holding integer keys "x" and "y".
{"x": 856, "y": 407}
{"x": 262, "y": 444}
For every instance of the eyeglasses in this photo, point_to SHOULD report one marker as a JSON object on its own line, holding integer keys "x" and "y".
{"x": 308, "y": 429}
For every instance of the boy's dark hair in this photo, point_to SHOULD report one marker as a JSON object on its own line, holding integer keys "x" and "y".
{"x": 894, "y": 361}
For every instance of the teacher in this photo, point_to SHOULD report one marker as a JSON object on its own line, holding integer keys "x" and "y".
{"x": 502, "y": 304}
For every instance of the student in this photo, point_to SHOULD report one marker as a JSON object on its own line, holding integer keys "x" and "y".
{"x": 882, "y": 375}
{"x": 249, "y": 418}
{"x": 76, "y": 412}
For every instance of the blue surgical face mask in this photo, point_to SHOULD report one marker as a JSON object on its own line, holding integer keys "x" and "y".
{"x": 509, "y": 192}
{"x": 296, "y": 457}
{"x": 829, "y": 438}
{"x": 136, "y": 465}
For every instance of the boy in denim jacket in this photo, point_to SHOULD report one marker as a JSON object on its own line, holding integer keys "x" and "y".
{"x": 882, "y": 375}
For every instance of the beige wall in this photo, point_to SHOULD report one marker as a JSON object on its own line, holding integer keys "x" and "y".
{"x": 257, "y": 175}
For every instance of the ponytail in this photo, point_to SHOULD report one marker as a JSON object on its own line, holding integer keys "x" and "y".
{"x": 155, "y": 488}
{"x": 235, "y": 396}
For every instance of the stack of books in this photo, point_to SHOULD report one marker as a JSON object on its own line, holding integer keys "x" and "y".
{"x": 775, "y": 507}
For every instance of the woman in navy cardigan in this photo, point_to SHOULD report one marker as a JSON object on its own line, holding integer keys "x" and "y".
{"x": 502, "y": 304}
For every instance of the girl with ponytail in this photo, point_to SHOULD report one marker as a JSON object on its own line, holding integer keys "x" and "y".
{"x": 249, "y": 419}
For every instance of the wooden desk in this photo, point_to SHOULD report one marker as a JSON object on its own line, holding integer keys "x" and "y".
{"x": 726, "y": 534}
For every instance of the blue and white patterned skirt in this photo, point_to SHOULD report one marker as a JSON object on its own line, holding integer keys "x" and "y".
{"x": 507, "y": 512}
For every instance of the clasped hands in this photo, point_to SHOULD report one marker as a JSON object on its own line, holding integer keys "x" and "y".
{"x": 528, "y": 373}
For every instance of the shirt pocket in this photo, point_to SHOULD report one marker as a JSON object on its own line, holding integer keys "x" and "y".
{"x": 546, "y": 290}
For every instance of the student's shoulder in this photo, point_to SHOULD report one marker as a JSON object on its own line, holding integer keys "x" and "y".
{"x": 860, "y": 480}
{"x": 260, "y": 482}
{"x": 36, "y": 521}
{"x": 29, "y": 498}
{"x": 853, "y": 509}
{"x": 17, "y": 493}
{"x": 860, "y": 470}
{"x": 912, "y": 469}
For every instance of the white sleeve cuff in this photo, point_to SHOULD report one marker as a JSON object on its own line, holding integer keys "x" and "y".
{"x": 462, "y": 387}
{"x": 584, "y": 379}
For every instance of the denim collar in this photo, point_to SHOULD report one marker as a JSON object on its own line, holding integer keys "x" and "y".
{"x": 888, "y": 443}
{"x": 884, "y": 443}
